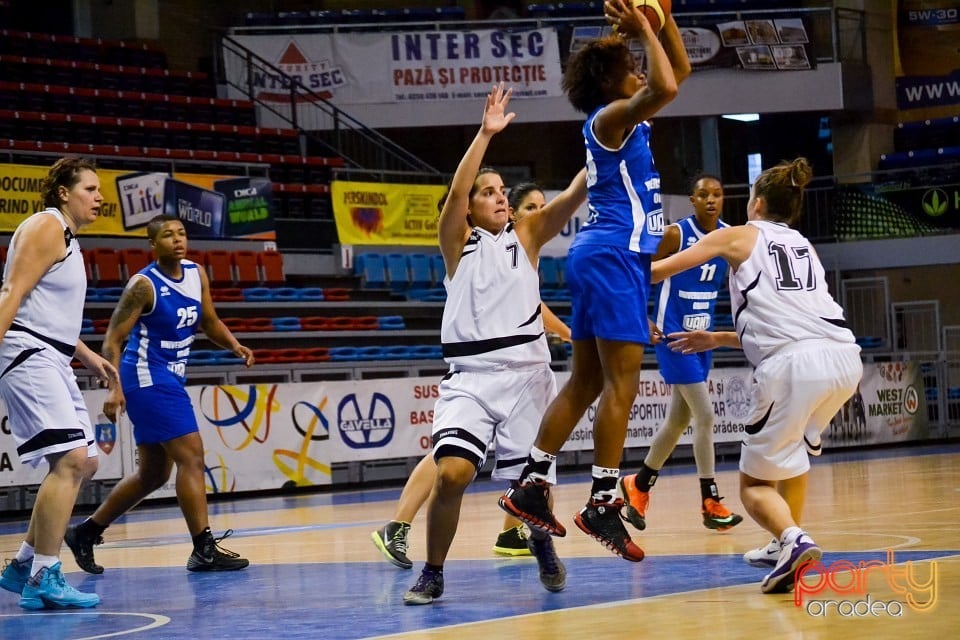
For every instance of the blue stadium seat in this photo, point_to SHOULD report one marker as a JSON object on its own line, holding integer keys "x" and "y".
{"x": 284, "y": 294}
{"x": 549, "y": 273}
{"x": 398, "y": 271}
{"x": 257, "y": 294}
{"x": 439, "y": 269}
{"x": 202, "y": 357}
{"x": 391, "y": 323}
{"x": 372, "y": 269}
{"x": 421, "y": 272}
{"x": 344, "y": 354}
{"x": 286, "y": 323}
{"x": 310, "y": 293}
{"x": 397, "y": 352}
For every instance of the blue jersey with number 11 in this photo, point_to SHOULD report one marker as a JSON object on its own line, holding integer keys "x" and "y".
{"x": 159, "y": 344}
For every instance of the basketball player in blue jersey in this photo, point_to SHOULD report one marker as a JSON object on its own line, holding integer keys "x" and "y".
{"x": 806, "y": 361}
{"x": 161, "y": 309}
{"x": 493, "y": 338}
{"x": 686, "y": 302}
{"x": 608, "y": 268}
{"x": 41, "y": 308}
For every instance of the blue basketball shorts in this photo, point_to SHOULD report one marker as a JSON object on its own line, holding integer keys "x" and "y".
{"x": 160, "y": 413}
{"x": 609, "y": 287}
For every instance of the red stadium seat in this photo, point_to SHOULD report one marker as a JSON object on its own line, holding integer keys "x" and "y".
{"x": 271, "y": 268}
{"x": 219, "y": 268}
{"x": 227, "y": 294}
{"x": 106, "y": 267}
{"x": 198, "y": 256}
{"x": 134, "y": 260}
{"x": 246, "y": 272}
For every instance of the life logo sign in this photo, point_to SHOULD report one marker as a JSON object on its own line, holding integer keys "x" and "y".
{"x": 369, "y": 427}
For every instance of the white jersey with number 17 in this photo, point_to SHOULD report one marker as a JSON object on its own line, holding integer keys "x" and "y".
{"x": 779, "y": 295}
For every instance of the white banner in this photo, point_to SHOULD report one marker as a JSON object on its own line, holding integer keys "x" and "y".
{"x": 889, "y": 406}
{"x": 358, "y": 68}
{"x": 270, "y": 436}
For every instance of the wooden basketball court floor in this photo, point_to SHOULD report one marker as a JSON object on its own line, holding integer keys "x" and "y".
{"x": 315, "y": 574}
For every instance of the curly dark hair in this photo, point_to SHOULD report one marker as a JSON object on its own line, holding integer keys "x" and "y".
{"x": 65, "y": 172}
{"x": 782, "y": 187}
{"x": 594, "y": 73}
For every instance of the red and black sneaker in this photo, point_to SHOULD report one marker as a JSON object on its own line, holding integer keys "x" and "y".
{"x": 601, "y": 521}
{"x": 528, "y": 503}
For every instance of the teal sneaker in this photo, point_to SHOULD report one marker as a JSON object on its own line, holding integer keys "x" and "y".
{"x": 15, "y": 576}
{"x": 49, "y": 590}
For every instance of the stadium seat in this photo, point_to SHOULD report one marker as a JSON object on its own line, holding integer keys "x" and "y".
{"x": 259, "y": 324}
{"x": 198, "y": 256}
{"x": 257, "y": 294}
{"x": 397, "y": 352}
{"x": 286, "y": 323}
{"x": 134, "y": 260}
{"x": 227, "y": 294}
{"x": 271, "y": 268}
{"x": 310, "y": 293}
{"x": 335, "y": 294}
{"x": 106, "y": 267}
{"x": 316, "y": 354}
{"x": 421, "y": 273}
{"x": 391, "y": 323}
{"x": 315, "y": 323}
{"x": 284, "y": 294}
{"x": 398, "y": 271}
{"x": 439, "y": 269}
{"x": 371, "y": 267}
{"x": 219, "y": 268}
{"x": 549, "y": 273}
{"x": 236, "y": 325}
{"x": 246, "y": 272}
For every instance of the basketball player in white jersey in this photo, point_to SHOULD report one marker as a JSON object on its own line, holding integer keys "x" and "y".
{"x": 41, "y": 308}
{"x": 492, "y": 332}
{"x": 806, "y": 363}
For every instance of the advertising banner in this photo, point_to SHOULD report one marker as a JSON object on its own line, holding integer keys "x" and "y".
{"x": 889, "y": 406}
{"x": 357, "y": 68}
{"x": 210, "y": 206}
{"x": 898, "y": 209}
{"x": 274, "y": 436}
{"x": 927, "y": 59}
{"x": 375, "y": 213}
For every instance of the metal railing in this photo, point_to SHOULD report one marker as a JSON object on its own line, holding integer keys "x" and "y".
{"x": 324, "y": 127}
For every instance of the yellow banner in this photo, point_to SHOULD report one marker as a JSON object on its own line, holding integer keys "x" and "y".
{"x": 374, "y": 213}
{"x": 20, "y": 198}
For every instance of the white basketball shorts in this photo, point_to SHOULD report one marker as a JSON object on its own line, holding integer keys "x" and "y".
{"x": 503, "y": 406}
{"x": 45, "y": 408}
{"x": 800, "y": 386}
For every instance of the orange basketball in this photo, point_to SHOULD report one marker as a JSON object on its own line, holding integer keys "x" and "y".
{"x": 655, "y": 11}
